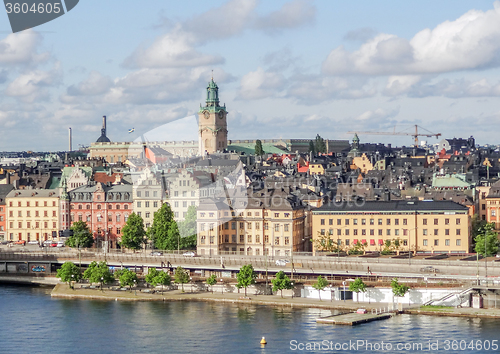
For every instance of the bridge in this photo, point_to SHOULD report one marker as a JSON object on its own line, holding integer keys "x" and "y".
{"x": 36, "y": 263}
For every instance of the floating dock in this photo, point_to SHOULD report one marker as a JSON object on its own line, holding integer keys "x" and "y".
{"x": 352, "y": 319}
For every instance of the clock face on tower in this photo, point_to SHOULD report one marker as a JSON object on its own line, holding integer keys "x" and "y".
{"x": 206, "y": 114}
{"x": 221, "y": 114}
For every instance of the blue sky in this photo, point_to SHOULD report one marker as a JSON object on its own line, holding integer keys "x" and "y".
{"x": 284, "y": 68}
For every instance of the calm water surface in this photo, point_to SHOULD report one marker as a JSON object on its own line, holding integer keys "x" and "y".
{"x": 33, "y": 322}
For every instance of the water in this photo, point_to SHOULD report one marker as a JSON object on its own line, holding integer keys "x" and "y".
{"x": 33, "y": 322}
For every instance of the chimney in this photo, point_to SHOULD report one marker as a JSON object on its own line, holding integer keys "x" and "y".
{"x": 70, "y": 141}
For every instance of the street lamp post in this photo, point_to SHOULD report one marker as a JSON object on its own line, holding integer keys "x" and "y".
{"x": 102, "y": 280}
{"x": 135, "y": 287}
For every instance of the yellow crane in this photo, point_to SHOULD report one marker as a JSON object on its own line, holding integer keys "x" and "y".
{"x": 415, "y": 134}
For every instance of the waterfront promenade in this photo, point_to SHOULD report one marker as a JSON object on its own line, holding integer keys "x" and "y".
{"x": 63, "y": 291}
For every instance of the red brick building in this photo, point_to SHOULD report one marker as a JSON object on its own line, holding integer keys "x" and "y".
{"x": 105, "y": 209}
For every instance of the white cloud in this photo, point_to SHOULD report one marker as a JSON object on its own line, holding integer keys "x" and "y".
{"x": 22, "y": 49}
{"x": 397, "y": 85}
{"x": 34, "y": 85}
{"x": 291, "y": 15}
{"x": 261, "y": 84}
{"x": 314, "y": 89}
{"x": 378, "y": 115}
{"x": 174, "y": 49}
{"x": 95, "y": 84}
{"x": 470, "y": 42}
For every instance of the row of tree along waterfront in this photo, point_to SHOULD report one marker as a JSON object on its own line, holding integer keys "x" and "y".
{"x": 99, "y": 273}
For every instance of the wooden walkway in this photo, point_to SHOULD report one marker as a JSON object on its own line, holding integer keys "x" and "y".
{"x": 352, "y": 319}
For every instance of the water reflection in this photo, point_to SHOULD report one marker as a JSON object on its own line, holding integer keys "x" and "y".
{"x": 35, "y": 323}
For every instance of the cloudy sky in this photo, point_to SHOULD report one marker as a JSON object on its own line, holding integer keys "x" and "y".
{"x": 288, "y": 69}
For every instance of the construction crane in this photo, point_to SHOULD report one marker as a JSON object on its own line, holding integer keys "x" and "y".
{"x": 415, "y": 135}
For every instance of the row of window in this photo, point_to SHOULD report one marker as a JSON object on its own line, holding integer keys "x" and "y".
{"x": 28, "y": 203}
{"x": 99, "y": 207}
{"x": 184, "y": 193}
{"x": 117, "y": 196}
{"x": 146, "y": 194}
{"x": 28, "y": 213}
{"x": 88, "y": 218}
{"x": 388, "y": 232}
{"x": 425, "y": 242}
{"x": 278, "y": 241}
{"x": 249, "y": 213}
{"x": 184, "y": 204}
{"x": 36, "y": 225}
{"x": 387, "y": 221}
{"x": 147, "y": 204}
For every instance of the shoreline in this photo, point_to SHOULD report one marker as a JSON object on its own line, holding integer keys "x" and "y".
{"x": 63, "y": 291}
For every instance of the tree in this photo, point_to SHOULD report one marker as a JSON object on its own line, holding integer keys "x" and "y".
{"x": 164, "y": 279}
{"x": 487, "y": 232}
{"x": 312, "y": 148}
{"x": 98, "y": 273}
{"x": 358, "y": 248}
{"x": 326, "y": 244}
{"x": 156, "y": 277}
{"x": 187, "y": 229}
{"x": 399, "y": 290}
{"x": 357, "y": 286}
{"x": 281, "y": 282}
{"x": 320, "y": 284}
{"x": 181, "y": 276}
{"x": 319, "y": 144}
{"x": 82, "y": 237}
{"x": 69, "y": 272}
{"x": 259, "y": 151}
{"x": 246, "y": 277}
{"x": 151, "y": 277}
{"x": 164, "y": 231}
{"x": 212, "y": 280}
{"x": 127, "y": 277}
{"x": 133, "y": 232}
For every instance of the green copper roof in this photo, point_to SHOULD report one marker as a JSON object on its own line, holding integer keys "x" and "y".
{"x": 249, "y": 149}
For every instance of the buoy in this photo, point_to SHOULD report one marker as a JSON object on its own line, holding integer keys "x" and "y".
{"x": 263, "y": 341}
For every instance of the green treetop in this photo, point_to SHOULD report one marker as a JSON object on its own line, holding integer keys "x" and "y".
{"x": 98, "y": 273}
{"x": 259, "y": 151}
{"x": 69, "y": 272}
{"x": 212, "y": 280}
{"x": 320, "y": 284}
{"x": 246, "y": 277}
{"x": 486, "y": 232}
{"x": 82, "y": 237}
{"x": 133, "y": 232}
{"x": 187, "y": 229}
{"x": 357, "y": 286}
{"x": 181, "y": 276}
{"x": 281, "y": 282}
{"x": 164, "y": 232}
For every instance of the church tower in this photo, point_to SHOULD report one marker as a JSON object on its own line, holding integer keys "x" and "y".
{"x": 212, "y": 122}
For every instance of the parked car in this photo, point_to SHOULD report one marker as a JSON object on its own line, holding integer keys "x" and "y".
{"x": 282, "y": 262}
{"x": 60, "y": 244}
{"x": 156, "y": 253}
{"x": 53, "y": 244}
{"x": 429, "y": 269}
{"x": 6, "y": 242}
{"x": 47, "y": 243}
{"x": 189, "y": 254}
{"x": 20, "y": 242}
{"x": 33, "y": 242}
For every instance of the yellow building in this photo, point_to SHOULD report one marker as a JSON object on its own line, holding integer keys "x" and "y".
{"x": 363, "y": 163}
{"x": 419, "y": 226}
{"x": 33, "y": 214}
{"x": 271, "y": 223}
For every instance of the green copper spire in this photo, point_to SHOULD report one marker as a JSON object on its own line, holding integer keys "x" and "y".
{"x": 212, "y": 102}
